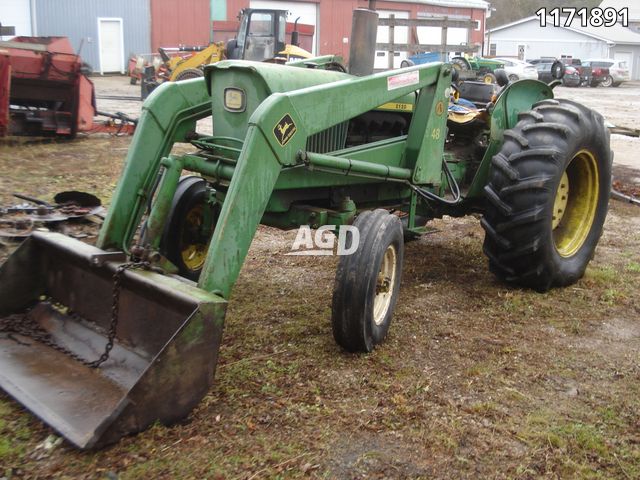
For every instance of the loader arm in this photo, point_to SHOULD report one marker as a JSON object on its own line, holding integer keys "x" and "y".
{"x": 300, "y": 114}
{"x": 211, "y": 54}
{"x": 168, "y": 116}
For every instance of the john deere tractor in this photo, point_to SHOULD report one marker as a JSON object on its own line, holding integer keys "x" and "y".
{"x": 107, "y": 339}
{"x": 474, "y": 67}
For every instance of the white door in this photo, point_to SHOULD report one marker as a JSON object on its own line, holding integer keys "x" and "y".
{"x": 111, "y": 45}
{"x": 400, "y": 36}
{"x": 308, "y": 13}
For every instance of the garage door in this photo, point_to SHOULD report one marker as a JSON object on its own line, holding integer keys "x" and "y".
{"x": 308, "y": 13}
{"x": 400, "y": 35}
{"x": 16, "y": 13}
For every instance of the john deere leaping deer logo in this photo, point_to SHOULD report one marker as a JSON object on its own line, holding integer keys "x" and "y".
{"x": 284, "y": 130}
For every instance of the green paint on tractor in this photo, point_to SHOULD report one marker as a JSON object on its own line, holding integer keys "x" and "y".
{"x": 292, "y": 145}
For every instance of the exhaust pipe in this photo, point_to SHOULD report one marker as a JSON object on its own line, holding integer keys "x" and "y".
{"x": 364, "y": 30}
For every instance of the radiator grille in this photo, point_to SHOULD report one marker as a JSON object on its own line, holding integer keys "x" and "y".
{"x": 329, "y": 140}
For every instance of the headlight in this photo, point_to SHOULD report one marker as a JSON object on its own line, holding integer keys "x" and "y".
{"x": 234, "y": 99}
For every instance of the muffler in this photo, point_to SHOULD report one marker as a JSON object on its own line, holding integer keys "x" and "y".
{"x": 56, "y": 309}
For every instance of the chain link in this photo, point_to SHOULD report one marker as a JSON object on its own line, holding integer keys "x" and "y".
{"x": 24, "y": 324}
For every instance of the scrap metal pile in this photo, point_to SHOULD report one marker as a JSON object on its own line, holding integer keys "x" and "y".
{"x": 18, "y": 221}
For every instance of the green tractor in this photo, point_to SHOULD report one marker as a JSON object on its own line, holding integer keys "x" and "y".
{"x": 472, "y": 68}
{"x": 107, "y": 339}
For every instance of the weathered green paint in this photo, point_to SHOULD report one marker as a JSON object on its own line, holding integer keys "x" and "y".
{"x": 264, "y": 154}
{"x": 320, "y": 61}
{"x": 256, "y": 174}
{"x": 164, "y": 199}
{"x": 425, "y": 142}
{"x": 168, "y": 114}
{"x": 257, "y": 81}
{"x": 349, "y": 166}
{"x": 254, "y": 154}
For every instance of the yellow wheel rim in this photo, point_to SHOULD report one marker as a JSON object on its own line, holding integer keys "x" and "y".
{"x": 488, "y": 79}
{"x": 575, "y": 204}
{"x": 193, "y": 253}
{"x": 384, "y": 285}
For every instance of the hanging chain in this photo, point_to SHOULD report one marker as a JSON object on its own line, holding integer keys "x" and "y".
{"x": 24, "y": 324}
{"x": 115, "y": 308}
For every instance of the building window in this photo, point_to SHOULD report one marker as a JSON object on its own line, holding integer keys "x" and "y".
{"x": 492, "y": 49}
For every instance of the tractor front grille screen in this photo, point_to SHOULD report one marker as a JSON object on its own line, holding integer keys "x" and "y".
{"x": 329, "y": 140}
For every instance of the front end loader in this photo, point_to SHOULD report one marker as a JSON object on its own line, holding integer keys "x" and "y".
{"x": 102, "y": 341}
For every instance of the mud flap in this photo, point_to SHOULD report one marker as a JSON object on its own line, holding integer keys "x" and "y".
{"x": 164, "y": 355}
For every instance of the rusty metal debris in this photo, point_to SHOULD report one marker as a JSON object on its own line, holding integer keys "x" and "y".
{"x": 20, "y": 220}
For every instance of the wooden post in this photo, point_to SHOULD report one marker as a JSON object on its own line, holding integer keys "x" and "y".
{"x": 443, "y": 41}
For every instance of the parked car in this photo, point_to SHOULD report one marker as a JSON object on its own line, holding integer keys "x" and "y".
{"x": 518, "y": 69}
{"x": 535, "y": 61}
{"x": 550, "y": 70}
{"x": 571, "y": 77}
{"x": 583, "y": 70}
{"x": 618, "y": 70}
{"x": 599, "y": 75}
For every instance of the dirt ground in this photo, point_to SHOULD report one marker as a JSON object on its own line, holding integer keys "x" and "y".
{"x": 476, "y": 379}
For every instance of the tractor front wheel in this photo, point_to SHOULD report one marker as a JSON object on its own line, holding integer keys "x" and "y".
{"x": 548, "y": 191}
{"x": 367, "y": 282}
{"x": 189, "y": 227}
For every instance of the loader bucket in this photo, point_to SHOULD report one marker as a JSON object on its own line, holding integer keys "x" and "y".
{"x": 164, "y": 354}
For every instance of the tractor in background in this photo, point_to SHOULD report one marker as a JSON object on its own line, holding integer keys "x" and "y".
{"x": 261, "y": 37}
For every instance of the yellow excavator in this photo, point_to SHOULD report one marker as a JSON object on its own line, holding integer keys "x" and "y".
{"x": 261, "y": 37}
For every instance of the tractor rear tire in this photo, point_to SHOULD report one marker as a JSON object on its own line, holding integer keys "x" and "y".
{"x": 460, "y": 64}
{"x": 547, "y": 196}
{"x": 367, "y": 282}
{"x": 189, "y": 73}
{"x": 185, "y": 240}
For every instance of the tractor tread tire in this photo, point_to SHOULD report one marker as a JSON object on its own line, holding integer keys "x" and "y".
{"x": 354, "y": 290}
{"x": 520, "y": 192}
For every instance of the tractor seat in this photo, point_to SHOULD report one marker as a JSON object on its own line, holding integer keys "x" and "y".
{"x": 479, "y": 93}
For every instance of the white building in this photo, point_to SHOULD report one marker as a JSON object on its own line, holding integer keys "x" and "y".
{"x": 634, "y": 11}
{"x": 526, "y": 39}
